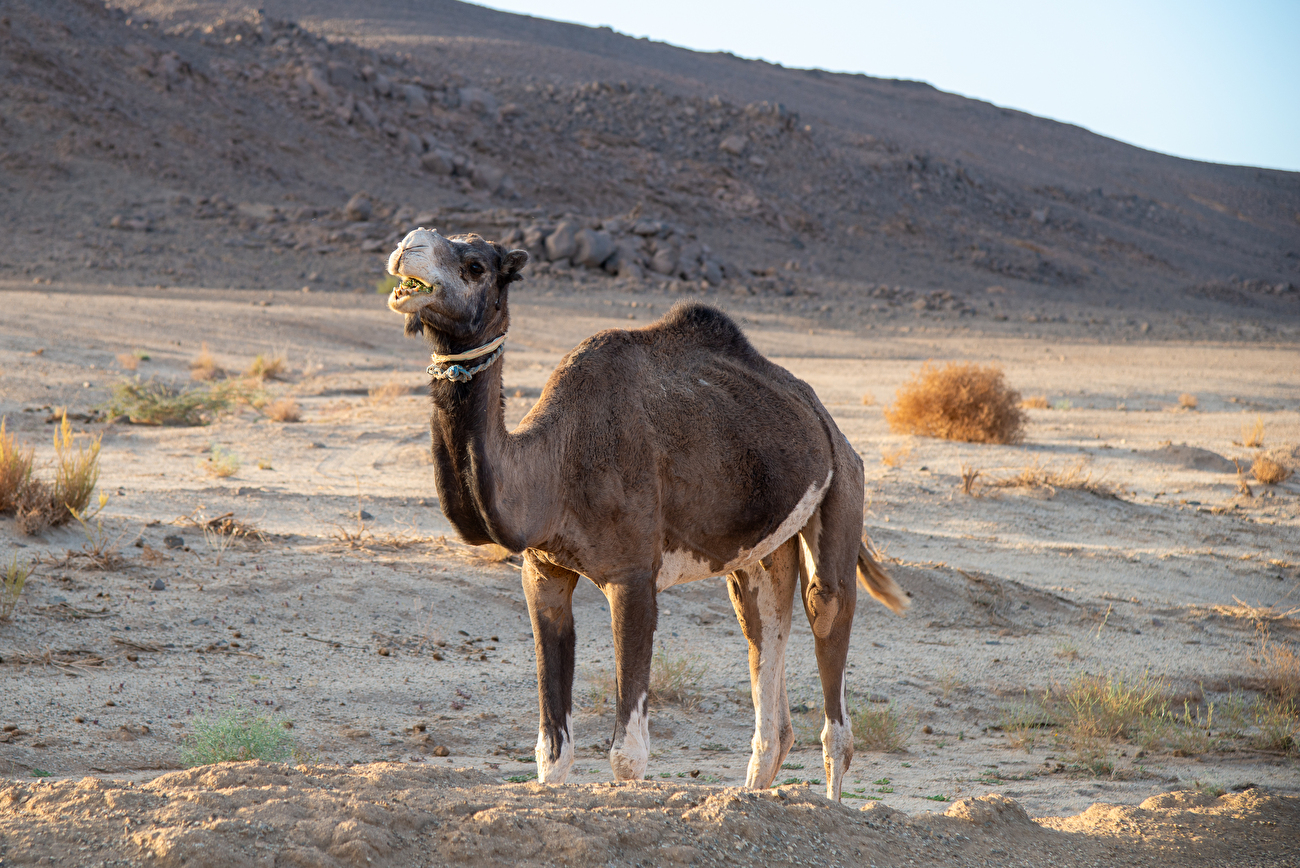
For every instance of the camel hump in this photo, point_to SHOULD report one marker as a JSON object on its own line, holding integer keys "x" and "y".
{"x": 704, "y": 325}
{"x": 878, "y": 583}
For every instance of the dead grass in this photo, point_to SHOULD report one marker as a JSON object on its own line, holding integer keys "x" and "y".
{"x": 868, "y": 399}
{"x": 885, "y": 728}
{"x": 76, "y": 468}
{"x": 127, "y": 361}
{"x": 266, "y": 367}
{"x": 1187, "y": 401}
{"x": 1279, "y": 668}
{"x": 676, "y": 676}
{"x": 204, "y": 366}
{"x": 283, "y": 410}
{"x": 387, "y": 393}
{"x": 1071, "y": 478}
{"x": 1268, "y": 471}
{"x": 221, "y": 464}
{"x": 1035, "y": 402}
{"x": 15, "y": 469}
{"x": 964, "y": 402}
{"x": 151, "y": 402}
{"x": 895, "y": 457}
{"x": 69, "y": 662}
{"x": 1253, "y": 435}
{"x": 969, "y": 476}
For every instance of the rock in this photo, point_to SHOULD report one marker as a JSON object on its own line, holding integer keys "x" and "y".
{"x": 318, "y": 80}
{"x": 345, "y": 109}
{"x": 647, "y": 227}
{"x": 734, "y": 145}
{"x": 712, "y": 272}
{"x": 158, "y": 585}
{"x": 1039, "y": 215}
{"x": 487, "y": 177}
{"x": 477, "y": 100}
{"x": 438, "y": 161}
{"x": 382, "y": 86}
{"x": 411, "y": 142}
{"x": 359, "y": 208}
{"x": 441, "y": 750}
{"x": 593, "y": 248}
{"x": 174, "y": 541}
{"x": 416, "y": 102}
{"x": 664, "y": 261}
{"x": 535, "y": 237}
{"x": 628, "y": 267}
{"x": 561, "y": 243}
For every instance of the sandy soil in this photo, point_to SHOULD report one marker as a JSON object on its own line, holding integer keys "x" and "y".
{"x": 384, "y": 640}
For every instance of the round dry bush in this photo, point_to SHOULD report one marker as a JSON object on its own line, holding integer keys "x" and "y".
{"x": 1268, "y": 471}
{"x": 958, "y": 402}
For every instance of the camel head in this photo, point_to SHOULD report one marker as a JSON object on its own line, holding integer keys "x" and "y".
{"x": 453, "y": 287}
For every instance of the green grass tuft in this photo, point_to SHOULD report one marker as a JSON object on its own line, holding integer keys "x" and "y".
{"x": 237, "y": 736}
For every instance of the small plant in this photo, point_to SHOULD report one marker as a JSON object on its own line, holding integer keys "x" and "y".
{"x": 969, "y": 475}
{"x": 895, "y": 457}
{"x": 237, "y": 736}
{"x": 283, "y": 410}
{"x": 882, "y": 729}
{"x": 40, "y": 773}
{"x": 1023, "y": 721}
{"x": 964, "y": 402}
{"x": 524, "y": 778}
{"x": 14, "y": 578}
{"x": 1067, "y": 651}
{"x": 793, "y": 767}
{"x": 1278, "y": 727}
{"x": 951, "y": 681}
{"x": 222, "y": 464}
{"x": 676, "y": 677}
{"x": 1035, "y": 402}
{"x": 1063, "y": 404}
{"x": 204, "y": 366}
{"x": 128, "y": 361}
{"x": 868, "y": 399}
{"x": 1279, "y": 668}
{"x": 100, "y": 549}
{"x": 150, "y": 402}
{"x": 266, "y": 368}
{"x": 1072, "y": 478}
{"x": 1253, "y": 436}
{"x": 387, "y": 393}
{"x": 76, "y": 469}
{"x": 1268, "y": 471}
{"x": 938, "y": 797}
{"x": 1187, "y": 401}
{"x": 220, "y": 537}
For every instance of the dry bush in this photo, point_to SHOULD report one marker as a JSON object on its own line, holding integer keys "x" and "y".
{"x": 76, "y": 469}
{"x": 15, "y": 469}
{"x": 1187, "y": 401}
{"x": 1279, "y": 668}
{"x": 266, "y": 368}
{"x": 283, "y": 410}
{"x": 1023, "y": 721}
{"x": 1035, "y": 402}
{"x": 150, "y": 402}
{"x": 11, "y": 589}
{"x": 221, "y": 464}
{"x": 895, "y": 457}
{"x": 964, "y": 402}
{"x": 1072, "y": 478}
{"x": 128, "y": 361}
{"x": 1268, "y": 471}
{"x": 882, "y": 729}
{"x": 868, "y": 399}
{"x": 676, "y": 677}
{"x": 1253, "y": 435}
{"x": 969, "y": 476}
{"x": 387, "y": 393}
{"x": 204, "y": 366}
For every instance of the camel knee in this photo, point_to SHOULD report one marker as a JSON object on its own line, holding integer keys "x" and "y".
{"x": 824, "y": 604}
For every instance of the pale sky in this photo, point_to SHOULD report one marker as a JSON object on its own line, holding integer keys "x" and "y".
{"x": 1204, "y": 79}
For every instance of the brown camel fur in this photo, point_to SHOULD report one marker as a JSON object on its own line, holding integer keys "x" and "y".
{"x": 654, "y": 457}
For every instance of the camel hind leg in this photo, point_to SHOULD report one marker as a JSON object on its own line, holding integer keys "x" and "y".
{"x": 764, "y": 600}
{"x": 829, "y": 546}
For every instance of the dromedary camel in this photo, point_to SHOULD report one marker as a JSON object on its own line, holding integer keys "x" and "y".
{"x": 654, "y": 457}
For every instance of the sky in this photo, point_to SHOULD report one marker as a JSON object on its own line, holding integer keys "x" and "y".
{"x": 1217, "y": 81}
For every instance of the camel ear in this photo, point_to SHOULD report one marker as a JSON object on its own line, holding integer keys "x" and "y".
{"x": 513, "y": 261}
{"x": 414, "y": 325}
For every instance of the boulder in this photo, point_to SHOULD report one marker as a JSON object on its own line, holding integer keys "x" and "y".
{"x": 477, "y": 100}
{"x": 734, "y": 145}
{"x": 487, "y": 177}
{"x": 562, "y": 243}
{"x": 318, "y": 80}
{"x": 416, "y": 102}
{"x": 382, "y": 85}
{"x": 359, "y": 208}
{"x": 438, "y": 161}
{"x": 712, "y": 272}
{"x": 664, "y": 261}
{"x": 411, "y": 143}
{"x": 593, "y": 248}
{"x": 367, "y": 114}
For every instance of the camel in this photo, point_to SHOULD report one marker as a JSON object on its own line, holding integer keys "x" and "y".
{"x": 655, "y": 456}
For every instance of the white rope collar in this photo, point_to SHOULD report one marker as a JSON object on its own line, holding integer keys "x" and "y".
{"x": 444, "y": 369}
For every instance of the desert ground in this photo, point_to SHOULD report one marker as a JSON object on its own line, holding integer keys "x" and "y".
{"x": 403, "y": 659}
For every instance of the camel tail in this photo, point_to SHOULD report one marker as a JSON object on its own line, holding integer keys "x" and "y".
{"x": 878, "y": 583}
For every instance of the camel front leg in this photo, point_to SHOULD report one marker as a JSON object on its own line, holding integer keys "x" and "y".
{"x": 764, "y": 599}
{"x": 633, "y": 614}
{"x": 549, "y": 591}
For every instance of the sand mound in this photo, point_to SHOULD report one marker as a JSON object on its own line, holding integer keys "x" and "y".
{"x": 241, "y": 814}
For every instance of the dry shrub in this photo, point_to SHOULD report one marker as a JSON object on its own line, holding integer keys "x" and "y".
{"x": 204, "y": 367}
{"x": 1279, "y": 668}
{"x": 676, "y": 676}
{"x": 895, "y": 457}
{"x": 221, "y": 463}
{"x": 266, "y": 368}
{"x": 969, "y": 476}
{"x": 387, "y": 393}
{"x": 1072, "y": 478}
{"x": 128, "y": 361}
{"x": 868, "y": 399}
{"x": 151, "y": 402}
{"x": 283, "y": 410}
{"x": 1035, "y": 402}
{"x": 76, "y": 469}
{"x": 15, "y": 469}
{"x": 1253, "y": 435}
{"x": 964, "y": 402}
{"x": 1187, "y": 401}
{"x": 11, "y": 588}
{"x": 882, "y": 729}
{"x": 1268, "y": 471}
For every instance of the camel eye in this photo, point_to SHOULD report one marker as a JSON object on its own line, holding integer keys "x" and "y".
{"x": 475, "y": 268}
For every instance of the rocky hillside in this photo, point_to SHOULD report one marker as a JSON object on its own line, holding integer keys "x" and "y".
{"x": 242, "y": 149}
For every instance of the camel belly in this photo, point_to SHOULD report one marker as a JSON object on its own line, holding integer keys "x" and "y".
{"x": 680, "y": 566}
